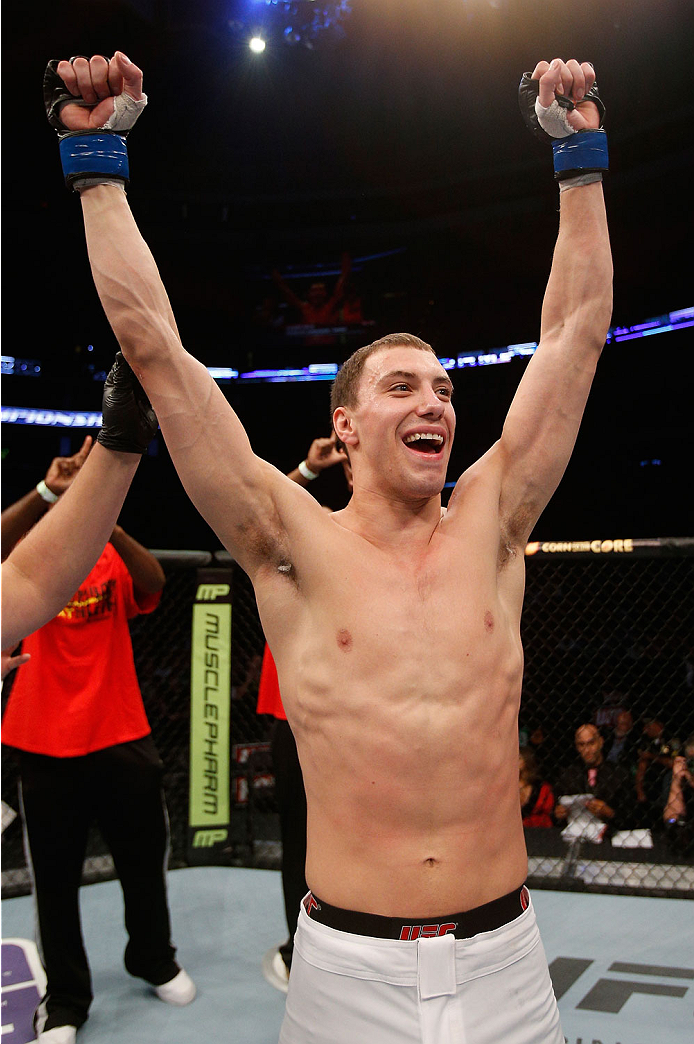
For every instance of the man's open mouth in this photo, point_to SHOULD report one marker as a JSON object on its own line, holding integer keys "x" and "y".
{"x": 427, "y": 442}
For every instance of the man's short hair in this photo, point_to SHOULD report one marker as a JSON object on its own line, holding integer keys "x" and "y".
{"x": 345, "y": 387}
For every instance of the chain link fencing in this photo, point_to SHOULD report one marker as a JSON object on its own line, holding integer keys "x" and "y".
{"x": 608, "y": 630}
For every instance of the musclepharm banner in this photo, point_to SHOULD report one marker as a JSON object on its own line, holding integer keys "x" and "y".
{"x": 210, "y": 706}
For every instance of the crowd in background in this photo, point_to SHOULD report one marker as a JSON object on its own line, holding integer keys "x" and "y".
{"x": 630, "y": 774}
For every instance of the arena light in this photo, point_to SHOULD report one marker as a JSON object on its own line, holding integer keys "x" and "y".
{"x": 305, "y": 23}
{"x": 21, "y": 367}
{"x": 679, "y": 320}
{"x": 314, "y": 372}
{"x": 222, "y": 373}
{"x": 256, "y": 44}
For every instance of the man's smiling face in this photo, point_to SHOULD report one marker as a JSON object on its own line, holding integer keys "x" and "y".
{"x": 401, "y": 431}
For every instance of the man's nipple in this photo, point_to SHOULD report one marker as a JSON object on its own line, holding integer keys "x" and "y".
{"x": 344, "y": 639}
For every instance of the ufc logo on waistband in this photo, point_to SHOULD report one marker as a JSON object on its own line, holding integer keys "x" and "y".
{"x": 310, "y": 904}
{"x": 409, "y": 932}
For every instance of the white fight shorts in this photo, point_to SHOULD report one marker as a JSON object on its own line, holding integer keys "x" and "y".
{"x": 493, "y": 988}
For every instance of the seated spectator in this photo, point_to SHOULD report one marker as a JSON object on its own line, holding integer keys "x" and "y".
{"x": 534, "y": 736}
{"x": 604, "y": 786}
{"x": 655, "y": 756}
{"x": 536, "y": 795}
{"x": 678, "y": 814}
{"x": 622, "y": 741}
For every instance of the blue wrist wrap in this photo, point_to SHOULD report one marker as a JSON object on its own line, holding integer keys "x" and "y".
{"x": 103, "y": 152}
{"x": 581, "y": 153}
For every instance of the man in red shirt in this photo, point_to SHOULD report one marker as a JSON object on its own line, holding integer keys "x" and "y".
{"x": 76, "y": 716}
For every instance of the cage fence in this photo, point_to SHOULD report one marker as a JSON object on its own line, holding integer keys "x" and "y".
{"x": 608, "y": 631}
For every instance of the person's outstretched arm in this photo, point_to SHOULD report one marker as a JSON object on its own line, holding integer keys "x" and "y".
{"x": 676, "y": 805}
{"x": 286, "y": 291}
{"x": 543, "y": 420}
{"x": 234, "y": 490}
{"x": 339, "y": 288}
{"x": 44, "y": 570}
{"x": 18, "y": 518}
{"x": 323, "y": 453}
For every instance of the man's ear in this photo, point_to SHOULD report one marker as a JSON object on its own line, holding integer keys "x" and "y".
{"x": 344, "y": 427}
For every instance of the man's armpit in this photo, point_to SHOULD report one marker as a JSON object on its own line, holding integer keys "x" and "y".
{"x": 515, "y": 530}
{"x": 265, "y": 541}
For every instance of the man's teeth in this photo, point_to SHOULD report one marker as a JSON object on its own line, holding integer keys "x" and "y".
{"x": 429, "y": 436}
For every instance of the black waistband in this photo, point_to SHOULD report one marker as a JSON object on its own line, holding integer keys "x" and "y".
{"x": 461, "y": 925}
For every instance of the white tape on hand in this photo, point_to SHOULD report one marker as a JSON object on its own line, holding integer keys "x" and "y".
{"x": 553, "y": 119}
{"x": 125, "y": 113}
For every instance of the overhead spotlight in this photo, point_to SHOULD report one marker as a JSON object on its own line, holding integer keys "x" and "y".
{"x": 303, "y": 22}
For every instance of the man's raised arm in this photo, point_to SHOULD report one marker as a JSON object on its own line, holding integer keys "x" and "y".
{"x": 543, "y": 421}
{"x": 230, "y": 486}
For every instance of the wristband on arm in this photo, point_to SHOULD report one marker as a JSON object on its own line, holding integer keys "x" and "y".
{"x": 99, "y": 157}
{"x": 583, "y": 153}
{"x": 46, "y": 494}
{"x": 304, "y": 470}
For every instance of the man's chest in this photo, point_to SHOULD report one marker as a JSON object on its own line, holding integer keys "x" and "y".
{"x": 426, "y": 604}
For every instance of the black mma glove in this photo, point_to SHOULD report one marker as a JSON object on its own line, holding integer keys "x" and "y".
{"x": 129, "y": 423}
{"x": 90, "y": 156}
{"x": 576, "y": 153}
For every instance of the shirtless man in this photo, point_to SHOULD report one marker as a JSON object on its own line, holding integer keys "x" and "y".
{"x": 395, "y": 627}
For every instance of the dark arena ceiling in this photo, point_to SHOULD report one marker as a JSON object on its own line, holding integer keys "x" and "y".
{"x": 393, "y": 134}
{"x": 401, "y": 132}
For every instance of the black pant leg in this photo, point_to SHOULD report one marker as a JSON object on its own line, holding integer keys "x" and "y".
{"x": 132, "y": 816}
{"x": 291, "y": 800}
{"x": 56, "y": 809}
